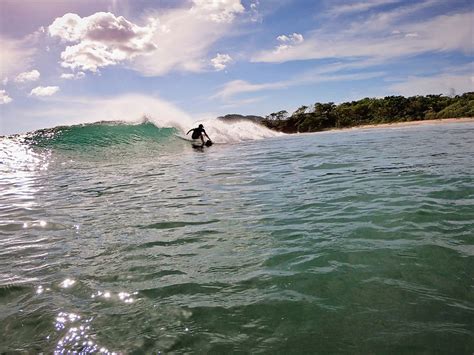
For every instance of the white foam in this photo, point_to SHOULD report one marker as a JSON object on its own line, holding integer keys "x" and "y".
{"x": 220, "y": 131}
{"x": 236, "y": 131}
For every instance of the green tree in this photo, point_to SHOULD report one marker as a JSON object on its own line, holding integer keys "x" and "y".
{"x": 371, "y": 111}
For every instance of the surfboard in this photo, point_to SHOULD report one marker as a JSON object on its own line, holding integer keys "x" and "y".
{"x": 200, "y": 146}
{"x": 195, "y": 142}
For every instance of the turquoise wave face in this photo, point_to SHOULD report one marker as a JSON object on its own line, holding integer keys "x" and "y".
{"x": 101, "y": 134}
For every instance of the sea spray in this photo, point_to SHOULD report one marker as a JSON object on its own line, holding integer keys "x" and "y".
{"x": 221, "y": 131}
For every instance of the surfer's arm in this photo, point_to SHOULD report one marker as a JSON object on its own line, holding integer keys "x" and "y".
{"x": 207, "y": 135}
{"x": 192, "y": 129}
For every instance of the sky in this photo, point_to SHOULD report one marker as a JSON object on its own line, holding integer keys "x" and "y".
{"x": 66, "y": 62}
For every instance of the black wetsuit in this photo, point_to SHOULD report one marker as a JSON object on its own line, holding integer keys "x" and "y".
{"x": 197, "y": 132}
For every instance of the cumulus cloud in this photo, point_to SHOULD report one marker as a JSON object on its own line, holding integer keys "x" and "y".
{"x": 4, "y": 98}
{"x": 44, "y": 91}
{"x": 173, "y": 39}
{"x": 73, "y": 76}
{"x": 101, "y": 39}
{"x": 220, "y": 61}
{"x": 33, "y": 75}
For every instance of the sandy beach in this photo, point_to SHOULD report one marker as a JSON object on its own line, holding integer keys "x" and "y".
{"x": 410, "y": 123}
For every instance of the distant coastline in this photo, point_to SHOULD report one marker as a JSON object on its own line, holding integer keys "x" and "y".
{"x": 373, "y": 112}
{"x": 406, "y": 124}
{"x": 438, "y": 121}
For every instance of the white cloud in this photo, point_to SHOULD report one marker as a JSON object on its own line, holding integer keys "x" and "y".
{"x": 33, "y": 75}
{"x": 4, "y": 98}
{"x": 67, "y": 76}
{"x": 255, "y": 15}
{"x": 294, "y": 38}
{"x": 73, "y": 76}
{"x": 217, "y": 10}
{"x": 69, "y": 27}
{"x": 220, "y": 61}
{"x": 16, "y": 56}
{"x": 359, "y": 6}
{"x": 288, "y": 41}
{"x": 442, "y": 33}
{"x": 237, "y": 87}
{"x": 90, "y": 56}
{"x": 186, "y": 35}
{"x": 44, "y": 91}
{"x": 102, "y": 39}
{"x": 173, "y": 39}
{"x": 382, "y": 22}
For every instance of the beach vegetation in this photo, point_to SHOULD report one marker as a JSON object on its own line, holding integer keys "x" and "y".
{"x": 371, "y": 111}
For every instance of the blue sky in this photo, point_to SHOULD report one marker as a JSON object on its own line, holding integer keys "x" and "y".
{"x": 67, "y": 62}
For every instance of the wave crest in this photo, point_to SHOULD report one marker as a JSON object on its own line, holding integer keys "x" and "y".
{"x": 101, "y": 134}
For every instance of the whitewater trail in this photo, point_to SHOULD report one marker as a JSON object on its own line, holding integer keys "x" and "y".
{"x": 218, "y": 130}
{"x": 233, "y": 132}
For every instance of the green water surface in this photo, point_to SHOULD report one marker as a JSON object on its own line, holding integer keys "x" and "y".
{"x": 343, "y": 242}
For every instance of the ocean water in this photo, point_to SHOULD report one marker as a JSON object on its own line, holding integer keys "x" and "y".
{"x": 123, "y": 238}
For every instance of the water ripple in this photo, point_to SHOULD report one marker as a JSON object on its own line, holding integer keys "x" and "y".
{"x": 304, "y": 243}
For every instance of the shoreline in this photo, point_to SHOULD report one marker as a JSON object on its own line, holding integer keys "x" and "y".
{"x": 404, "y": 124}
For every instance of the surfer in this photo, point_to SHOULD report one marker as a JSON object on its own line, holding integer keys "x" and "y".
{"x": 199, "y": 132}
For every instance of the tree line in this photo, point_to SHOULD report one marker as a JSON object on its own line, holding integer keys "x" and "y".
{"x": 390, "y": 109}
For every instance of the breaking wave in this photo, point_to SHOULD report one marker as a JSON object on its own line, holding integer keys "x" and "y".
{"x": 104, "y": 134}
